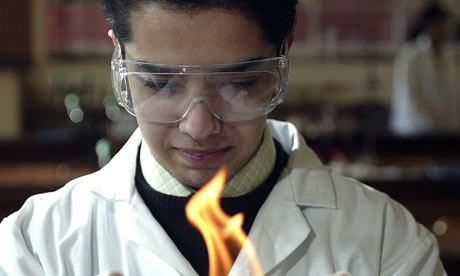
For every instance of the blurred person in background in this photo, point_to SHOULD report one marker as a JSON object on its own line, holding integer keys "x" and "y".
{"x": 426, "y": 94}
{"x": 201, "y": 77}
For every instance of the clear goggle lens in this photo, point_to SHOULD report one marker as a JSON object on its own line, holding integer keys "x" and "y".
{"x": 232, "y": 92}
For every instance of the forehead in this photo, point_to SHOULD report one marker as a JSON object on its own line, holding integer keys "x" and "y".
{"x": 209, "y": 36}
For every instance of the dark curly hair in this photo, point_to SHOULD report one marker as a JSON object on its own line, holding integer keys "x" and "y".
{"x": 275, "y": 17}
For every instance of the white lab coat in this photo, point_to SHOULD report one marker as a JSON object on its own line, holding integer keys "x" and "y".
{"x": 314, "y": 222}
{"x": 426, "y": 92}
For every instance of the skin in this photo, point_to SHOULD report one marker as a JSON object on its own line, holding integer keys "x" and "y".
{"x": 196, "y": 147}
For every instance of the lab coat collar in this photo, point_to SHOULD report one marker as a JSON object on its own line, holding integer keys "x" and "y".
{"x": 309, "y": 180}
{"x": 424, "y": 41}
{"x": 116, "y": 179}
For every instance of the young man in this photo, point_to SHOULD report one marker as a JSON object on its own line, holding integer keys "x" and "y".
{"x": 200, "y": 77}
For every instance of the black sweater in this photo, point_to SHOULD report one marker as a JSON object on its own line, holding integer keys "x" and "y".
{"x": 169, "y": 211}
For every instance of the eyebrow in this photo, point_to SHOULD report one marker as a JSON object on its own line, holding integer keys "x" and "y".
{"x": 152, "y": 68}
{"x": 246, "y": 64}
{"x": 240, "y": 66}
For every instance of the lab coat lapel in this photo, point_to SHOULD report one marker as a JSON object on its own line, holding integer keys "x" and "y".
{"x": 138, "y": 226}
{"x": 134, "y": 219}
{"x": 279, "y": 229}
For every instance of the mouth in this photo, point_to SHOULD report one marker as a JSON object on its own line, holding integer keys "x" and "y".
{"x": 203, "y": 157}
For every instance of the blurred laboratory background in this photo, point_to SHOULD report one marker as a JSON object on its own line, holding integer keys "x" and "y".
{"x": 59, "y": 118}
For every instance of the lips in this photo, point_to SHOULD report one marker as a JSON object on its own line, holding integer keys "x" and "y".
{"x": 203, "y": 157}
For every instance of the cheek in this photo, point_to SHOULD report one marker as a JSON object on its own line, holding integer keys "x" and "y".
{"x": 247, "y": 144}
{"x": 250, "y": 138}
{"x": 156, "y": 135}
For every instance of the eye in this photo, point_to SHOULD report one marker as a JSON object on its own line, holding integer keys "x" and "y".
{"x": 160, "y": 84}
{"x": 242, "y": 84}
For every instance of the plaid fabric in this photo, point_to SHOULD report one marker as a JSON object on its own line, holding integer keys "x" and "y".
{"x": 254, "y": 173}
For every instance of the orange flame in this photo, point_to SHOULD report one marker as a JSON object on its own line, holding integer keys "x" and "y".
{"x": 223, "y": 235}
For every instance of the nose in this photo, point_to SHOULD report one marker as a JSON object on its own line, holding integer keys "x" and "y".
{"x": 200, "y": 122}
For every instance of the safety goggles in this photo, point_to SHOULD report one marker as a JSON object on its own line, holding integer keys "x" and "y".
{"x": 232, "y": 92}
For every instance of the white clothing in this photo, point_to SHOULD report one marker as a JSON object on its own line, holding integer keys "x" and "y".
{"x": 314, "y": 222}
{"x": 426, "y": 97}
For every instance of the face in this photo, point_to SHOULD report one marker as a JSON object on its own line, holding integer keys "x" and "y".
{"x": 193, "y": 149}
{"x": 437, "y": 30}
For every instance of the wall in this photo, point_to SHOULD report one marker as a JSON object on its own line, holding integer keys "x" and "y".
{"x": 10, "y": 105}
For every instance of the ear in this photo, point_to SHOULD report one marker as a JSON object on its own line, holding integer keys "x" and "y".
{"x": 290, "y": 40}
{"x": 111, "y": 34}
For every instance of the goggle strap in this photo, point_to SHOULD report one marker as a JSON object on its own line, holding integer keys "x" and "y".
{"x": 284, "y": 50}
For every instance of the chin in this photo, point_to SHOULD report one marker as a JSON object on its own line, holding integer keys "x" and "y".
{"x": 197, "y": 178}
